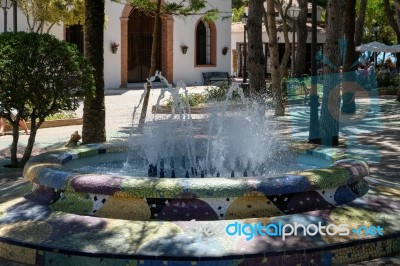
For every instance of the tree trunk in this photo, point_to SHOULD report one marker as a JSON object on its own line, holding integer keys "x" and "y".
{"x": 350, "y": 64}
{"x": 31, "y": 140}
{"x": 359, "y": 29}
{"x": 283, "y": 11}
{"x": 302, "y": 34}
{"x": 14, "y": 144}
{"x": 153, "y": 64}
{"x": 255, "y": 56}
{"x": 398, "y": 95}
{"x": 330, "y": 112}
{"x": 94, "y": 114}
{"x": 393, "y": 17}
{"x": 269, "y": 17}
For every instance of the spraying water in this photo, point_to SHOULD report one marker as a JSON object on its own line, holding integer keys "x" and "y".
{"x": 238, "y": 142}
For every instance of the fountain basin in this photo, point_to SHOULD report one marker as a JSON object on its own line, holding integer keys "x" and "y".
{"x": 172, "y": 199}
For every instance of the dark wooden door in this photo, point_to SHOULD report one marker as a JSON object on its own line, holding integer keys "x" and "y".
{"x": 140, "y": 37}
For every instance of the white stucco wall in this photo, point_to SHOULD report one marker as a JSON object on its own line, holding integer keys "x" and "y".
{"x": 112, "y": 33}
{"x": 184, "y": 33}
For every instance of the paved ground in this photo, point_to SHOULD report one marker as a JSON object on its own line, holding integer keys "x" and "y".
{"x": 377, "y": 139}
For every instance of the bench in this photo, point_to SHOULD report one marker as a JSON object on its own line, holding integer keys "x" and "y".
{"x": 213, "y": 77}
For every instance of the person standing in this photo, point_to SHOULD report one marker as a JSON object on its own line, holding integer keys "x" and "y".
{"x": 22, "y": 123}
{"x": 371, "y": 69}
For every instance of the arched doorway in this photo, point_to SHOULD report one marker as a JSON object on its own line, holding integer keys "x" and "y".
{"x": 128, "y": 63}
{"x": 140, "y": 38}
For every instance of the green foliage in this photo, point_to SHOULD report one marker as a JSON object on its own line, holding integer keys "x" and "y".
{"x": 237, "y": 3}
{"x": 376, "y": 12}
{"x": 195, "y": 99}
{"x": 218, "y": 94}
{"x": 237, "y": 14}
{"x": 387, "y": 80}
{"x": 298, "y": 86}
{"x": 212, "y": 94}
{"x": 322, "y": 3}
{"x": 42, "y": 13}
{"x": 41, "y": 75}
{"x": 181, "y": 9}
{"x": 61, "y": 115}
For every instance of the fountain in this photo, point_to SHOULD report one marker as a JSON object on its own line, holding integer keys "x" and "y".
{"x": 238, "y": 157}
{"x": 175, "y": 184}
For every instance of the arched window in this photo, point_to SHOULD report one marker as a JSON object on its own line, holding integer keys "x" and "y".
{"x": 205, "y": 43}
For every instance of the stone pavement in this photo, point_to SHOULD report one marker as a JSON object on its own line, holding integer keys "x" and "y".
{"x": 379, "y": 144}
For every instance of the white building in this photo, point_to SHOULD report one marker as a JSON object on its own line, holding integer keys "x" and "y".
{"x": 132, "y": 31}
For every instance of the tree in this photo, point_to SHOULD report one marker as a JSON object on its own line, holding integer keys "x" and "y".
{"x": 237, "y": 14}
{"x": 377, "y": 15}
{"x": 398, "y": 95}
{"x": 237, "y": 3}
{"x": 47, "y": 13}
{"x": 330, "y": 108}
{"x": 94, "y": 113}
{"x": 238, "y": 9}
{"x": 302, "y": 33}
{"x": 255, "y": 58}
{"x": 350, "y": 65}
{"x": 39, "y": 76}
{"x": 393, "y": 18}
{"x": 158, "y": 9}
{"x": 360, "y": 22}
{"x": 278, "y": 68}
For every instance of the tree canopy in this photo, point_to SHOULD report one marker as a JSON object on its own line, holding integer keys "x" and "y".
{"x": 44, "y": 14}
{"x": 179, "y": 9}
{"x": 39, "y": 76}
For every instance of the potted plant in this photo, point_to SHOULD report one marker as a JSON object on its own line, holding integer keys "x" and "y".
{"x": 114, "y": 47}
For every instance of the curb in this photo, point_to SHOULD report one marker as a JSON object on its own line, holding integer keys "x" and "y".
{"x": 52, "y": 123}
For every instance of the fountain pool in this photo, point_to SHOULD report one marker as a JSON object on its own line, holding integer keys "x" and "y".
{"x": 75, "y": 213}
{"x": 210, "y": 198}
{"x": 228, "y": 165}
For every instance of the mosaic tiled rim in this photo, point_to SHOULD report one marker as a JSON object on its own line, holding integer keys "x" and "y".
{"x": 44, "y": 168}
{"x": 361, "y": 244}
{"x": 47, "y": 170}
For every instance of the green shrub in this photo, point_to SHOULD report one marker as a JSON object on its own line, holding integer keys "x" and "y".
{"x": 298, "y": 86}
{"x": 61, "y": 115}
{"x": 387, "y": 80}
{"x": 40, "y": 76}
{"x": 218, "y": 94}
{"x": 195, "y": 99}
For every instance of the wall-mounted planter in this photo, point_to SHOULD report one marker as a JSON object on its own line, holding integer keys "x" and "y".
{"x": 184, "y": 49}
{"x": 114, "y": 47}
